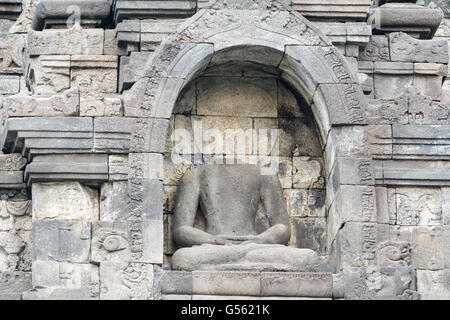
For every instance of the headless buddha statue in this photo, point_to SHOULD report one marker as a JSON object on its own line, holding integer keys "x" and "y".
{"x": 229, "y": 196}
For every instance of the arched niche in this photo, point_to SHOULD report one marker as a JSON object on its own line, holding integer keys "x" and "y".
{"x": 245, "y": 113}
{"x": 281, "y": 43}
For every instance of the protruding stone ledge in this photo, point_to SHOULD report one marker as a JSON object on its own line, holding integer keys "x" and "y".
{"x": 411, "y": 17}
{"x": 11, "y": 179}
{"x": 31, "y": 136}
{"x": 153, "y": 9}
{"x": 245, "y": 284}
{"x": 10, "y": 9}
{"x": 412, "y": 173}
{"x": 353, "y": 10}
{"x": 92, "y": 168}
{"x": 57, "y": 12}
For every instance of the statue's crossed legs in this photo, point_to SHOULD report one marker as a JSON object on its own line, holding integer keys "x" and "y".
{"x": 260, "y": 257}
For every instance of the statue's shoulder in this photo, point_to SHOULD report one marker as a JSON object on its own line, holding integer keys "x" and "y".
{"x": 191, "y": 175}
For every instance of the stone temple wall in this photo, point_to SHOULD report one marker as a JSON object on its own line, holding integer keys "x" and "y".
{"x": 93, "y": 97}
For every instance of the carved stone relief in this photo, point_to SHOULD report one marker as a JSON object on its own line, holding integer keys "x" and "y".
{"x": 15, "y": 235}
{"x": 416, "y": 207}
{"x": 65, "y": 200}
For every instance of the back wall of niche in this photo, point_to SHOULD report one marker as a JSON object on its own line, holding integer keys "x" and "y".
{"x": 243, "y": 97}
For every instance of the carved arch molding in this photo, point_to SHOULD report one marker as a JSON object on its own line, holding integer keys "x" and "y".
{"x": 253, "y": 32}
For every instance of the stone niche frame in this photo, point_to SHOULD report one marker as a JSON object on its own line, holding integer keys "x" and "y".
{"x": 309, "y": 63}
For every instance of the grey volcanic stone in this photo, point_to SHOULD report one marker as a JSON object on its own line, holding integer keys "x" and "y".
{"x": 61, "y": 240}
{"x": 242, "y": 186}
{"x": 318, "y": 285}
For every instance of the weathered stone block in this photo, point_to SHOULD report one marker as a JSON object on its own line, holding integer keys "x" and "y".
{"x": 296, "y": 284}
{"x": 433, "y": 285}
{"x": 131, "y": 69}
{"x": 13, "y": 45}
{"x": 113, "y": 201}
{"x": 412, "y": 141}
{"x": 15, "y": 235}
{"x": 390, "y": 87}
{"x": 97, "y": 72}
{"x": 428, "y": 252}
{"x": 405, "y": 48}
{"x": 145, "y": 198}
{"x": 9, "y": 84}
{"x": 154, "y": 31}
{"x": 226, "y": 283}
{"x": 296, "y": 137}
{"x": 23, "y": 105}
{"x": 329, "y": 9}
{"x": 49, "y": 74}
{"x": 359, "y": 241}
{"x": 134, "y": 241}
{"x": 65, "y": 200}
{"x": 65, "y": 275}
{"x": 175, "y": 282}
{"x": 418, "y": 207}
{"x": 237, "y": 97}
{"x": 414, "y": 172}
{"x": 380, "y": 283}
{"x": 349, "y": 101}
{"x": 146, "y": 166}
{"x": 113, "y": 134}
{"x": 305, "y": 203}
{"x": 310, "y": 233}
{"x": 234, "y": 135}
{"x": 307, "y": 173}
{"x": 13, "y": 284}
{"x": 118, "y": 167}
{"x": 377, "y": 49}
{"x": 93, "y": 104}
{"x": 357, "y": 203}
{"x": 123, "y": 135}
{"x": 288, "y": 105}
{"x": 124, "y": 39}
{"x": 11, "y": 179}
{"x": 318, "y": 61}
{"x": 181, "y": 60}
{"x": 383, "y": 111}
{"x": 126, "y": 281}
{"x": 54, "y": 135}
{"x": 354, "y": 171}
{"x": 158, "y": 91}
{"x": 71, "y": 41}
{"x": 151, "y": 9}
{"x": 12, "y": 162}
{"x": 431, "y": 86}
{"x": 67, "y": 167}
{"x": 146, "y": 135}
{"x": 61, "y": 240}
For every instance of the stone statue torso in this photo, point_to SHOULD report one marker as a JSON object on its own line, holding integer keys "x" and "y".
{"x": 229, "y": 198}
